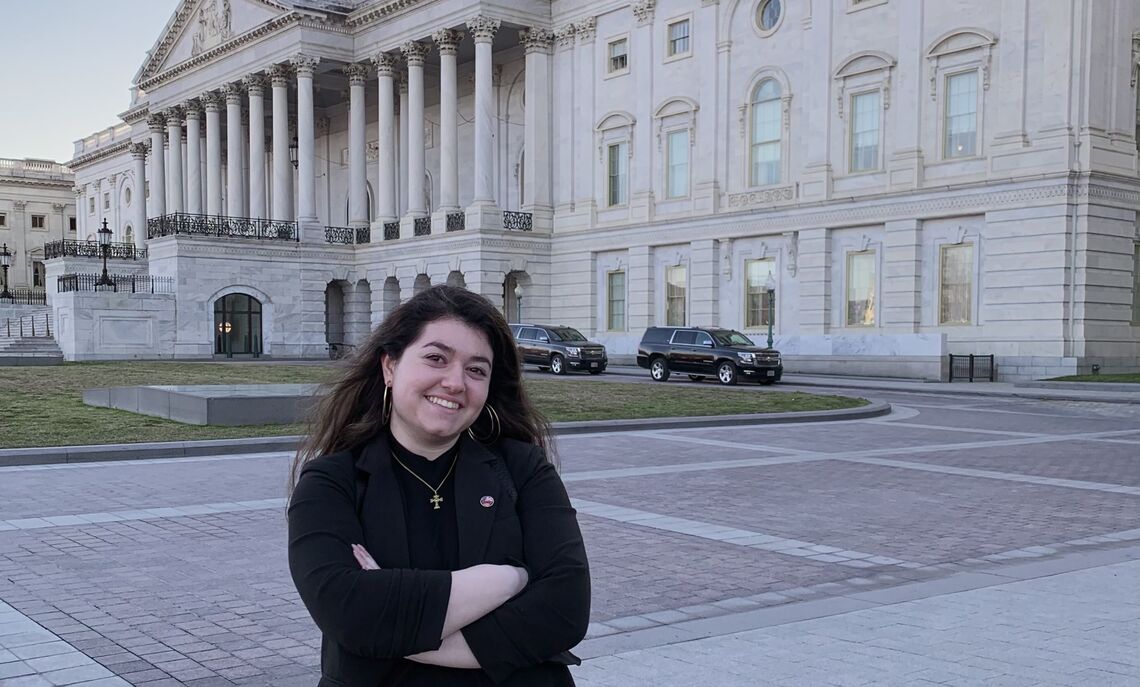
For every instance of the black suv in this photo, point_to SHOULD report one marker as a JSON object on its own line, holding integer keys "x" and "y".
{"x": 707, "y": 351}
{"x": 559, "y": 349}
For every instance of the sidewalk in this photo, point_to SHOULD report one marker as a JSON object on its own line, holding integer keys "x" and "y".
{"x": 995, "y": 389}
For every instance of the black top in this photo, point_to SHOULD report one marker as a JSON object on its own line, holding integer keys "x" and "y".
{"x": 502, "y": 504}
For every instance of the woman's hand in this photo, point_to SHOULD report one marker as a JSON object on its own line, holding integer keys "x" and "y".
{"x": 365, "y": 559}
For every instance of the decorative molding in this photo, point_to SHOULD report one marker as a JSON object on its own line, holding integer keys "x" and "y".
{"x": 215, "y": 25}
{"x": 958, "y": 41}
{"x": 173, "y": 115}
{"x": 768, "y": 196}
{"x": 211, "y": 101}
{"x": 192, "y": 109}
{"x": 565, "y": 35}
{"x": 233, "y": 93}
{"x": 94, "y": 156}
{"x": 386, "y": 64}
{"x": 357, "y": 73}
{"x": 378, "y": 12}
{"x": 587, "y": 29}
{"x": 304, "y": 64}
{"x": 726, "y": 258}
{"x": 138, "y": 150}
{"x": 447, "y": 41}
{"x": 255, "y": 85}
{"x": 1135, "y": 58}
{"x": 156, "y": 123}
{"x": 414, "y": 53}
{"x": 483, "y": 28}
{"x": 536, "y": 40}
{"x": 791, "y": 242}
{"x": 280, "y": 75}
{"x": 643, "y": 11}
{"x": 19, "y": 205}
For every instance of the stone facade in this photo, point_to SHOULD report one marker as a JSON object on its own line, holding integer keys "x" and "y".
{"x": 910, "y": 182}
{"x": 37, "y": 204}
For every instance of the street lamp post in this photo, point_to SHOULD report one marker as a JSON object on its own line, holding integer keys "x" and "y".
{"x": 5, "y": 262}
{"x": 770, "y": 284}
{"x": 105, "y": 245}
{"x": 518, "y": 302}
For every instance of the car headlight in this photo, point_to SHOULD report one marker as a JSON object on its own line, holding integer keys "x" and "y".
{"x": 745, "y": 356}
{"x": 572, "y": 351}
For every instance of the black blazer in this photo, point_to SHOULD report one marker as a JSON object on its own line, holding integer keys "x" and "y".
{"x": 370, "y": 619}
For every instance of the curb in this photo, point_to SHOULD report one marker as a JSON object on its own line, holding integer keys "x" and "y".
{"x": 53, "y": 455}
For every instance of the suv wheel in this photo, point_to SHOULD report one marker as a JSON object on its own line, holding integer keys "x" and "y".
{"x": 557, "y": 364}
{"x": 726, "y": 373}
{"x": 659, "y": 370}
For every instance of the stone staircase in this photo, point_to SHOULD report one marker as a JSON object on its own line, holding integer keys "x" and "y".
{"x": 28, "y": 340}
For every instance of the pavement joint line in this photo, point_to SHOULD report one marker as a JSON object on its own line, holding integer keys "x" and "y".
{"x": 611, "y": 640}
{"x": 185, "y": 511}
{"x": 760, "y": 448}
{"x": 38, "y": 652}
{"x": 944, "y": 428}
{"x": 586, "y": 475}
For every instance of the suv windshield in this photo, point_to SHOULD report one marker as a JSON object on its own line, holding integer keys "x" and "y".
{"x": 727, "y": 337}
{"x": 566, "y": 334}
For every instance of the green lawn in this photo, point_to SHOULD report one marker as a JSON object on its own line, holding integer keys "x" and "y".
{"x": 43, "y": 406}
{"x": 1116, "y": 379}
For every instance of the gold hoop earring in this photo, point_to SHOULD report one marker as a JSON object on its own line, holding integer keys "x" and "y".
{"x": 385, "y": 407}
{"x": 496, "y": 427}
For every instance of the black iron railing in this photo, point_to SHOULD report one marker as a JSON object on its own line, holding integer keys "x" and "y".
{"x": 25, "y": 296}
{"x": 120, "y": 283}
{"x": 421, "y": 226}
{"x": 364, "y": 235}
{"x": 517, "y": 221}
{"x": 25, "y": 326}
{"x": 456, "y": 221}
{"x": 348, "y": 235}
{"x": 221, "y": 225}
{"x": 91, "y": 249}
{"x": 391, "y": 231}
{"x": 972, "y": 367}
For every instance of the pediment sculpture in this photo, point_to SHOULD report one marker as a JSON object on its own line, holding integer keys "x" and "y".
{"x": 214, "y": 25}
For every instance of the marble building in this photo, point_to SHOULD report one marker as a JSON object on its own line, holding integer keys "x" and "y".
{"x": 37, "y": 206}
{"x": 911, "y": 178}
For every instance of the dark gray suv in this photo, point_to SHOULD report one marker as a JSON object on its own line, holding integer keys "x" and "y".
{"x": 559, "y": 349}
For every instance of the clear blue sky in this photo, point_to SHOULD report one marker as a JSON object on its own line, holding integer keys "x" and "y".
{"x": 66, "y": 68}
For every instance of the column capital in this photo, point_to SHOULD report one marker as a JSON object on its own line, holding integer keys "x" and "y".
{"x": 211, "y": 100}
{"x": 304, "y": 64}
{"x": 536, "y": 40}
{"x": 565, "y": 35}
{"x": 586, "y": 28}
{"x": 174, "y": 115}
{"x": 79, "y": 191}
{"x": 192, "y": 109}
{"x": 156, "y": 122}
{"x": 255, "y": 84}
{"x": 357, "y": 73}
{"x": 233, "y": 92}
{"x": 643, "y": 11}
{"x": 386, "y": 64}
{"x": 414, "y": 53}
{"x": 19, "y": 206}
{"x": 483, "y": 28}
{"x": 58, "y": 207}
{"x": 279, "y": 75}
{"x": 448, "y": 41}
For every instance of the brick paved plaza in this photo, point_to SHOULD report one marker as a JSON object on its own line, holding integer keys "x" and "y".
{"x": 958, "y": 541}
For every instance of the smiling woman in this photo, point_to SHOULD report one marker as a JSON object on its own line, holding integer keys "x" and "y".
{"x": 430, "y": 538}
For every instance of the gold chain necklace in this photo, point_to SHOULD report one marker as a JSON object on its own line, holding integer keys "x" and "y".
{"x": 435, "y": 499}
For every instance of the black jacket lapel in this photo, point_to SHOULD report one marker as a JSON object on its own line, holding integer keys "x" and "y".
{"x": 474, "y": 478}
{"x": 382, "y": 513}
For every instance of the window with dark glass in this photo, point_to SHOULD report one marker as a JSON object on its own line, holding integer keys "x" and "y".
{"x": 237, "y": 325}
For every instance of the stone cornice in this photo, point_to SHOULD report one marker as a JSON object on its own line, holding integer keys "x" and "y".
{"x": 370, "y": 15}
{"x": 136, "y": 114}
{"x": 37, "y": 183}
{"x": 96, "y": 155}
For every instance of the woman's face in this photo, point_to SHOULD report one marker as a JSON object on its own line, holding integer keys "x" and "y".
{"x": 438, "y": 385}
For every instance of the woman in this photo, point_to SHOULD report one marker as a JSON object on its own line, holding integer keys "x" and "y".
{"x": 429, "y": 536}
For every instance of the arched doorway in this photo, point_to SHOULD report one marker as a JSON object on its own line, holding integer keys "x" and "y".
{"x": 237, "y": 325}
{"x": 334, "y": 313}
{"x": 455, "y": 278}
{"x": 391, "y": 295}
{"x": 514, "y": 291}
{"x": 422, "y": 283}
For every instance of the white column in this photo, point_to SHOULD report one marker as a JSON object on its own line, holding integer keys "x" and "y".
{"x": 586, "y": 163}
{"x": 484, "y": 211}
{"x": 386, "y": 179}
{"x": 157, "y": 167}
{"x": 402, "y": 176}
{"x": 174, "y": 135}
{"x": 564, "y": 164}
{"x": 282, "y": 175}
{"x": 193, "y": 158}
{"x": 414, "y": 54}
{"x": 213, "y": 104}
{"x": 306, "y": 139}
{"x": 357, "y": 171}
{"x": 255, "y": 87}
{"x": 537, "y": 163}
{"x": 448, "y": 42}
{"x": 233, "y": 94}
{"x": 138, "y": 208}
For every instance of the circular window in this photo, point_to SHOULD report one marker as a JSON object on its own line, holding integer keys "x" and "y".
{"x": 768, "y": 15}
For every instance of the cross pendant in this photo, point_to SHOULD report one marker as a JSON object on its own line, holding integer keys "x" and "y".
{"x": 435, "y": 500}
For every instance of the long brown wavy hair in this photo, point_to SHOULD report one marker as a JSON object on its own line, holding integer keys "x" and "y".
{"x": 350, "y": 414}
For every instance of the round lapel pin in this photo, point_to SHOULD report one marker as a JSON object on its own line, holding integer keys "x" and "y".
{"x": 487, "y": 501}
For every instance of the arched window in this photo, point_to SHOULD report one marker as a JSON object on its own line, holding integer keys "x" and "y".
{"x": 39, "y": 275}
{"x": 765, "y": 139}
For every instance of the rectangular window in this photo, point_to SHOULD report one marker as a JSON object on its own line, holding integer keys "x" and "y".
{"x": 615, "y": 301}
{"x": 679, "y": 38}
{"x": 106, "y": 201}
{"x": 865, "y": 132}
{"x": 618, "y": 53}
{"x": 961, "y": 123}
{"x": 861, "y": 289}
{"x": 955, "y": 270}
{"x": 91, "y": 205}
{"x": 677, "y": 165}
{"x": 758, "y": 302}
{"x": 71, "y": 223}
{"x": 3, "y": 220}
{"x": 618, "y": 173}
{"x": 1136, "y": 285}
{"x": 38, "y": 221}
{"x": 676, "y": 279}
